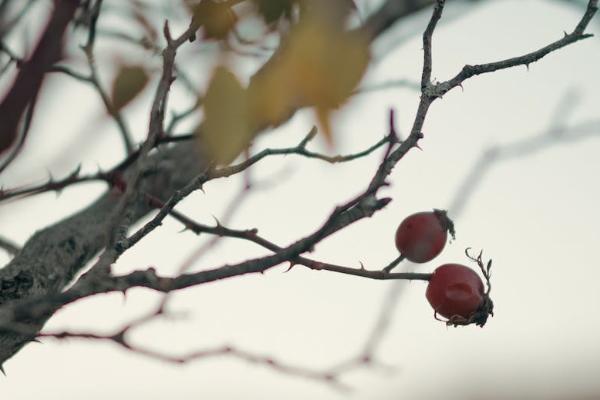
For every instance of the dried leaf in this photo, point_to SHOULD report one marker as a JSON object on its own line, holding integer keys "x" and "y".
{"x": 226, "y": 130}
{"x": 271, "y": 97}
{"x": 318, "y": 65}
{"x": 139, "y": 15}
{"x": 335, "y": 11}
{"x": 326, "y": 64}
{"x": 217, "y": 18}
{"x": 129, "y": 82}
{"x": 272, "y": 10}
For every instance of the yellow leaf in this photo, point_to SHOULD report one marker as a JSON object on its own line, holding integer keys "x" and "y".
{"x": 217, "y": 18}
{"x": 319, "y": 65}
{"x": 226, "y": 130}
{"x": 327, "y": 64}
{"x": 270, "y": 96}
{"x": 324, "y": 122}
{"x": 271, "y": 11}
{"x": 128, "y": 83}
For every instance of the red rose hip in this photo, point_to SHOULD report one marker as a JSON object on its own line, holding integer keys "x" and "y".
{"x": 422, "y": 236}
{"x": 455, "y": 290}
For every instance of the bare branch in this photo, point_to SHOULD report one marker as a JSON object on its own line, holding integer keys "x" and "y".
{"x": 391, "y": 12}
{"x": 469, "y": 71}
{"x": 54, "y": 255}
{"x": 94, "y": 15}
{"x": 56, "y": 185}
{"x": 25, "y": 88}
{"x": 74, "y": 74}
{"x": 94, "y": 79}
{"x": 470, "y": 182}
{"x": 123, "y": 216}
{"x": 252, "y": 236}
{"x": 120, "y": 338}
{"x": 7, "y": 26}
{"x": 427, "y": 35}
{"x": 9, "y": 246}
{"x": 114, "y": 177}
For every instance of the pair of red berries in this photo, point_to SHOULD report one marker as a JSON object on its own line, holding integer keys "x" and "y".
{"x": 455, "y": 291}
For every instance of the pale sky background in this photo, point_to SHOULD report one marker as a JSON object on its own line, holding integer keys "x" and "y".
{"x": 535, "y": 215}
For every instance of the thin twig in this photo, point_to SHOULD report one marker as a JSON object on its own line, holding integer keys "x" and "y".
{"x": 466, "y": 189}
{"x": 120, "y": 338}
{"x": 55, "y": 184}
{"x": 209, "y": 174}
{"x": 63, "y": 69}
{"x": 121, "y": 218}
{"x": 252, "y": 235}
{"x": 362, "y": 206}
{"x": 9, "y": 246}
{"x": 469, "y": 71}
{"x": 111, "y": 175}
{"x": 116, "y": 115}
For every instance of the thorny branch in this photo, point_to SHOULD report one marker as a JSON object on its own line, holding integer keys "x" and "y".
{"x": 253, "y": 236}
{"x": 468, "y": 71}
{"x": 122, "y": 217}
{"x": 114, "y": 176}
{"x": 15, "y": 316}
{"x": 360, "y": 207}
{"x": 495, "y": 154}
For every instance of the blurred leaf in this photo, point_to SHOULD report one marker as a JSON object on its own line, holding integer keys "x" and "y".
{"x": 325, "y": 65}
{"x": 335, "y": 11}
{"x": 139, "y": 14}
{"x": 273, "y": 10}
{"x": 129, "y": 82}
{"x": 318, "y": 65}
{"x": 226, "y": 130}
{"x": 271, "y": 96}
{"x": 217, "y": 18}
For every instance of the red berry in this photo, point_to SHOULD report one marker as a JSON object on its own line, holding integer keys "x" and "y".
{"x": 455, "y": 291}
{"x": 422, "y": 236}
